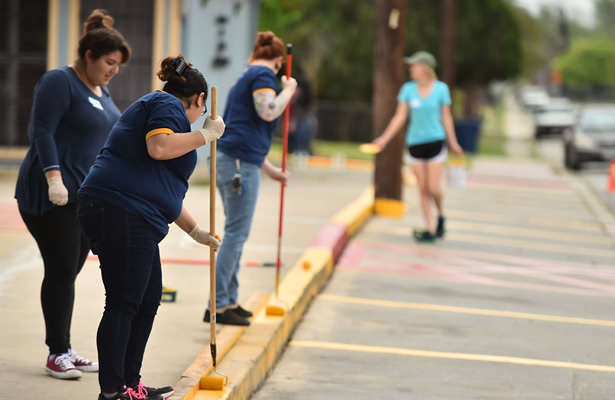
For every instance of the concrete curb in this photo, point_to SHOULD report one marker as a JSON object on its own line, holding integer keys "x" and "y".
{"x": 249, "y": 358}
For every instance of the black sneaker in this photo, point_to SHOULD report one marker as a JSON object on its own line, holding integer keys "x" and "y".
{"x": 242, "y": 312}
{"x": 150, "y": 393}
{"x": 129, "y": 394}
{"x": 228, "y": 317}
{"x": 440, "y": 227}
{"x": 424, "y": 237}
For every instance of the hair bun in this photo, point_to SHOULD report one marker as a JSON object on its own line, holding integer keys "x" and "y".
{"x": 265, "y": 38}
{"x": 173, "y": 67}
{"x": 99, "y": 18}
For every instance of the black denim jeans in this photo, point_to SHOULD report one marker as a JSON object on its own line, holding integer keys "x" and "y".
{"x": 127, "y": 248}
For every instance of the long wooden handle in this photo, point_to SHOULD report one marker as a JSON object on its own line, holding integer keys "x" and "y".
{"x": 212, "y": 169}
{"x": 214, "y": 102}
{"x": 212, "y": 229}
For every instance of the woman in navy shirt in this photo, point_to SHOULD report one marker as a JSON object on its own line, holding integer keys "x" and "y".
{"x": 134, "y": 190}
{"x": 71, "y": 116}
{"x": 252, "y": 108}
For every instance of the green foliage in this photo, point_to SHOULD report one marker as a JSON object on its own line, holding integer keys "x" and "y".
{"x": 533, "y": 55}
{"x": 334, "y": 40}
{"x": 605, "y": 16}
{"x": 333, "y": 43}
{"x": 588, "y": 62}
{"x": 488, "y": 42}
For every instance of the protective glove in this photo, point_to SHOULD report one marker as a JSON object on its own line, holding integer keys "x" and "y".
{"x": 212, "y": 129}
{"x": 58, "y": 194}
{"x": 204, "y": 237}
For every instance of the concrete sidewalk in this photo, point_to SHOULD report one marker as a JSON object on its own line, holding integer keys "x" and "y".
{"x": 313, "y": 197}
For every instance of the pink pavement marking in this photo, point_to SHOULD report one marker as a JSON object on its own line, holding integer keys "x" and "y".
{"x": 357, "y": 256}
{"x": 9, "y": 217}
{"x": 539, "y": 183}
{"x": 439, "y": 252}
{"x": 352, "y": 255}
{"x": 480, "y": 266}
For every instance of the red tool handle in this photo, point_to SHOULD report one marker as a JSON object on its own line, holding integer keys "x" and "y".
{"x": 289, "y": 62}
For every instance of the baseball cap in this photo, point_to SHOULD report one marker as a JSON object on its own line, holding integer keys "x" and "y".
{"x": 421, "y": 57}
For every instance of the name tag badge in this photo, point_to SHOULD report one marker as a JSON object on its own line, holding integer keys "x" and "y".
{"x": 415, "y": 103}
{"x": 96, "y": 103}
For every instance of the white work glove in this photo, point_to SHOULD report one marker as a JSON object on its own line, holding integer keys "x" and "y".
{"x": 204, "y": 237}
{"x": 212, "y": 129}
{"x": 58, "y": 194}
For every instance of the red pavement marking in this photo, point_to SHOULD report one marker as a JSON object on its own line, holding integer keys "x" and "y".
{"x": 9, "y": 217}
{"x": 188, "y": 261}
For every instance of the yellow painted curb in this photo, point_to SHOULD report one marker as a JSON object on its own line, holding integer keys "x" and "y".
{"x": 256, "y": 350}
{"x": 356, "y": 213}
{"x": 390, "y": 208}
{"x": 188, "y": 384}
{"x": 254, "y": 353}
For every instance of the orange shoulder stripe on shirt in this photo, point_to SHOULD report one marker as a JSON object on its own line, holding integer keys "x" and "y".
{"x": 262, "y": 90}
{"x": 158, "y": 131}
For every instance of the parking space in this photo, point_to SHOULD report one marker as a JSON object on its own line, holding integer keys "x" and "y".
{"x": 515, "y": 303}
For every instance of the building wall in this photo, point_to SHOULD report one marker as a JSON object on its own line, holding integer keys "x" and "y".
{"x": 22, "y": 61}
{"x": 218, "y": 37}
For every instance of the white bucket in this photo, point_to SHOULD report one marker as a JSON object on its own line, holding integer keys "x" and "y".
{"x": 456, "y": 174}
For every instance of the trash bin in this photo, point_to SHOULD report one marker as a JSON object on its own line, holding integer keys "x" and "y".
{"x": 468, "y": 133}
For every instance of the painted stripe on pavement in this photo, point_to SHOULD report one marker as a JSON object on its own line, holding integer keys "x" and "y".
{"x": 606, "y": 251}
{"x": 450, "y": 356}
{"x": 558, "y": 223}
{"x": 468, "y": 310}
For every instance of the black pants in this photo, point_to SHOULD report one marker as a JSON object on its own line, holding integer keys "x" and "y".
{"x": 127, "y": 247}
{"x": 64, "y": 250}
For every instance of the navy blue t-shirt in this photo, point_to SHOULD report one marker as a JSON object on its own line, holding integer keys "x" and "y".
{"x": 68, "y": 126}
{"x": 247, "y": 136}
{"x": 125, "y": 175}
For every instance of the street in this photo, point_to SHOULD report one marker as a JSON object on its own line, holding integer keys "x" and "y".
{"x": 595, "y": 173}
{"x": 515, "y": 303}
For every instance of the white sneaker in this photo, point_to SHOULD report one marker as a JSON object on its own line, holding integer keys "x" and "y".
{"x": 82, "y": 363}
{"x": 60, "y": 366}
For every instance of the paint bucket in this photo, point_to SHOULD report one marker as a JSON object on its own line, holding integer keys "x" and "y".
{"x": 456, "y": 173}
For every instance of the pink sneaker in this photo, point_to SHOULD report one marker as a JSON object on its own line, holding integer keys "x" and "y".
{"x": 82, "y": 363}
{"x": 60, "y": 366}
{"x": 150, "y": 393}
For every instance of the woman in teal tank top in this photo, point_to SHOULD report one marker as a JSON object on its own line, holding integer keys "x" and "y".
{"x": 429, "y": 135}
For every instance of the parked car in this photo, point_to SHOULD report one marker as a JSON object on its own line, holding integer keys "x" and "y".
{"x": 532, "y": 97}
{"x": 554, "y": 117}
{"x": 592, "y": 138}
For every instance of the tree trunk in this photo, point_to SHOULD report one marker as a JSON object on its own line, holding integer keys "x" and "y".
{"x": 388, "y": 78}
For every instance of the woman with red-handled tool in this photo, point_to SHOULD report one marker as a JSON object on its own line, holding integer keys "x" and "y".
{"x": 253, "y": 106}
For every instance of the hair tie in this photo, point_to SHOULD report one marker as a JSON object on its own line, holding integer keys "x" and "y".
{"x": 180, "y": 65}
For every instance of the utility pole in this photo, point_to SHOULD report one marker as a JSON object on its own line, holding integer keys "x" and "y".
{"x": 388, "y": 77}
{"x": 448, "y": 43}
